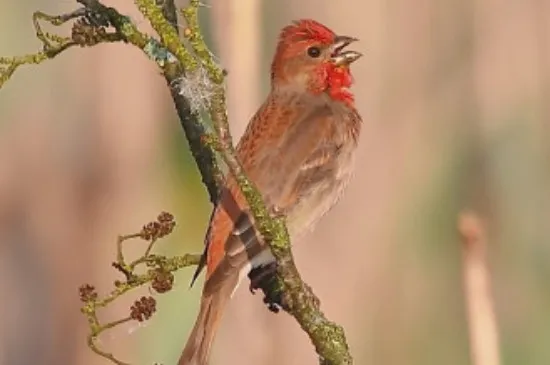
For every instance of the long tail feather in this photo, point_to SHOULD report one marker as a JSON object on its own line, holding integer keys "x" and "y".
{"x": 197, "y": 349}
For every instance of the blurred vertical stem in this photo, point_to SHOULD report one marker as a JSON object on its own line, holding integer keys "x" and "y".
{"x": 482, "y": 323}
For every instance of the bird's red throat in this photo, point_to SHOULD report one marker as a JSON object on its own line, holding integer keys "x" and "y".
{"x": 336, "y": 83}
{"x": 339, "y": 80}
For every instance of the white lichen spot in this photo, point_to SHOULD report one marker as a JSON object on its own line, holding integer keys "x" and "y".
{"x": 197, "y": 88}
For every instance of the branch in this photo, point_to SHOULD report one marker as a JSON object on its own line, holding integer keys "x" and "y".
{"x": 477, "y": 290}
{"x": 196, "y": 82}
{"x": 52, "y": 44}
{"x": 211, "y": 175}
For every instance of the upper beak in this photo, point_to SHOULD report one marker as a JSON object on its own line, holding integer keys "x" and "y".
{"x": 340, "y": 57}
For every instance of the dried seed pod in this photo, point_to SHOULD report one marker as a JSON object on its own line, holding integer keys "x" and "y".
{"x": 163, "y": 281}
{"x": 143, "y": 308}
{"x": 87, "y": 293}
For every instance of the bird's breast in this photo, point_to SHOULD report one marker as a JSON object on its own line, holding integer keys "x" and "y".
{"x": 323, "y": 195}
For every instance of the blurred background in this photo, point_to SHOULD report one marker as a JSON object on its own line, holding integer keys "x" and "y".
{"x": 455, "y": 97}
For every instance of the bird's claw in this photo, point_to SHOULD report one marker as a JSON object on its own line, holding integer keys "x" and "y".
{"x": 264, "y": 278}
{"x": 261, "y": 276}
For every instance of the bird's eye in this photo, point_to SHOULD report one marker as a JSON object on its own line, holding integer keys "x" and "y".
{"x": 314, "y": 52}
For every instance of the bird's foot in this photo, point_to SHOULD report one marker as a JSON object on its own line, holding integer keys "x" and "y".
{"x": 261, "y": 275}
{"x": 264, "y": 278}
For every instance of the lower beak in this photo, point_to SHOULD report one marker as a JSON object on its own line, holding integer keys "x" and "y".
{"x": 339, "y": 56}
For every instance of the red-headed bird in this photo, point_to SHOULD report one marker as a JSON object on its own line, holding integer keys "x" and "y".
{"x": 298, "y": 150}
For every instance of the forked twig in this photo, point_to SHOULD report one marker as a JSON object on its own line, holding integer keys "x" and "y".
{"x": 158, "y": 273}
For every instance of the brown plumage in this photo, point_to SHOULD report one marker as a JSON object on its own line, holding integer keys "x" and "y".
{"x": 298, "y": 150}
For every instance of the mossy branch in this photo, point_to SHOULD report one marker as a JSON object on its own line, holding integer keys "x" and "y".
{"x": 96, "y": 23}
{"x": 52, "y": 44}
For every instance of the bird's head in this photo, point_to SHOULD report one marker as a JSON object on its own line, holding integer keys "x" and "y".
{"x": 312, "y": 58}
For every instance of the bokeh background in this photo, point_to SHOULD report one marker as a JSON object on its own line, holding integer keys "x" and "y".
{"x": 455, "y": 97}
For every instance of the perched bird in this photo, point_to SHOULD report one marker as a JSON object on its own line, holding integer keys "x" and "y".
{"x": 298, "y": 150}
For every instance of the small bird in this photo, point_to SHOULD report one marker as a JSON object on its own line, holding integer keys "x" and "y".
{"x": 298, "y": 150}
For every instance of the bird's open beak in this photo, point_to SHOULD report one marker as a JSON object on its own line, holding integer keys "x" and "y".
{"x": 339, "y": 56}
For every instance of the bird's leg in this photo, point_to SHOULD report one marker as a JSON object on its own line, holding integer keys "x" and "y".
{"x": 260, "y": 275}
{"x": 264, "y": 278}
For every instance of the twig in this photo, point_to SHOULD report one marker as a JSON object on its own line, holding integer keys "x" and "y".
{"x": 168, "y": 35}
{"x": 484, "y": 342}
{"x": 159, "y": 275}
{"x": 92, "y": 341}
{"x": 52, "y": 44}
{"x": 194, "y": 35}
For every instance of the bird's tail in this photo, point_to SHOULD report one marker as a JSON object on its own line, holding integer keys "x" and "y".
{"x": 197, "y": 349}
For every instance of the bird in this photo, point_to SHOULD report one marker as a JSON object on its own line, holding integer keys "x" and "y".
{"x": 298, "y": 150}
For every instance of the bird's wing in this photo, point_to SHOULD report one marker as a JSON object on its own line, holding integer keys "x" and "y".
{"x": 284, "y": 152}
